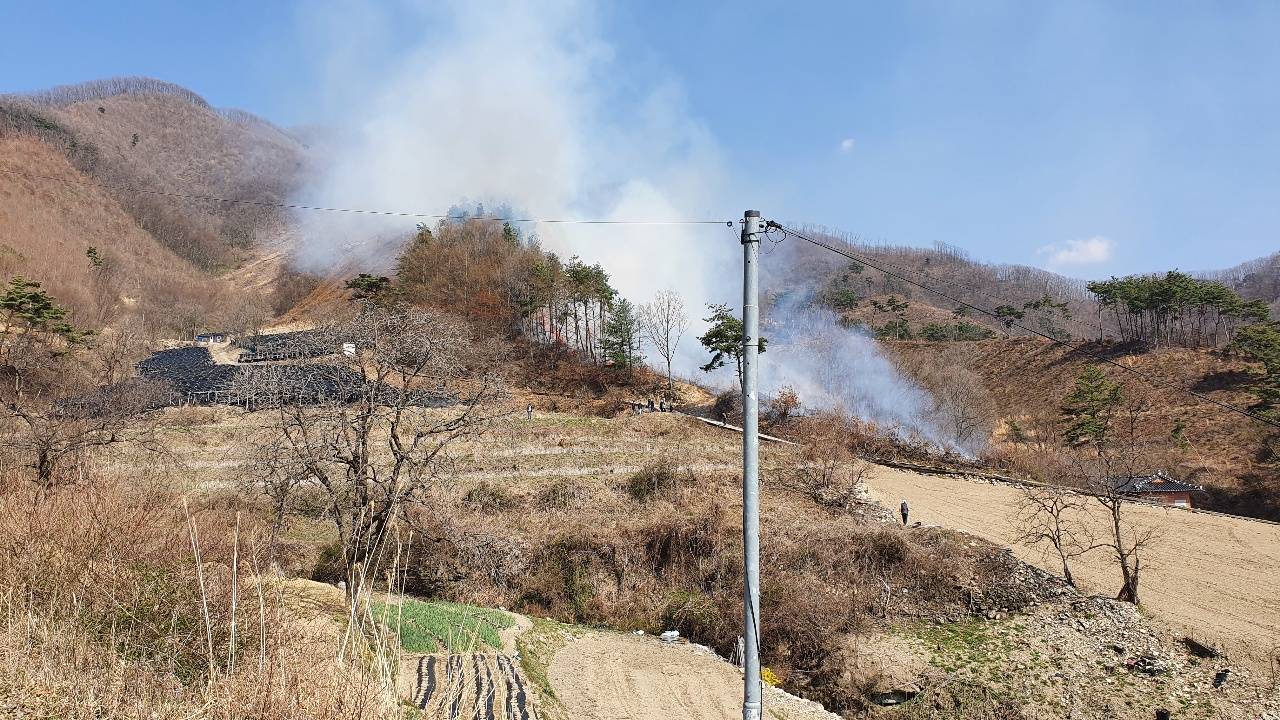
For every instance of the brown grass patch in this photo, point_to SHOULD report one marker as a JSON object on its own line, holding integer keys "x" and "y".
{"x": 107, "y": 614}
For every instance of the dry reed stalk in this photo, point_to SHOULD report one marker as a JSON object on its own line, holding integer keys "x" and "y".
{"x": 262, "y": 614}
{"x": 204, "y": 596}
{"x": 235, "y": 587}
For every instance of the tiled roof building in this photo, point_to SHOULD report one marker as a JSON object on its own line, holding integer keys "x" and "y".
{"x": 1157, "y": 488}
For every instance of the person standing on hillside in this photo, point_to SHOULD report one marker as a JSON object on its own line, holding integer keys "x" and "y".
{"x": 905, "y": 510}
{"x": 529, "y": 410}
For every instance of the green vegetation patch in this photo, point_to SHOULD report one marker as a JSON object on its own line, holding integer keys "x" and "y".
{"x": 955, "y": 645}
{"x": 426, "y": 626}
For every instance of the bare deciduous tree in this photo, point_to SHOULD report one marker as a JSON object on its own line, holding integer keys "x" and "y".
{"x": 370, "y": 425}
{"x": 959, "y": 397}
{"x": 829, "y": 472}
{"x": 1102, "y": 470}
{"x": 244, "y": 317}
{"x": 1054, "y": 517}
{"x": 1126, "y": 538}
{"x": 55, "y": 426}
{"x": 663, "y": 322}
{"x": 782, "y": 405}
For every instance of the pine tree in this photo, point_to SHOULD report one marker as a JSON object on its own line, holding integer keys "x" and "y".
{"x": 620, "y": 341}
{"x": 724, "y": 339}
{"x": 26, "y": 308}
{"x": 371, "y": 287}
{"x": 1262, "y": 343}
{"x": 1088, "y": 410}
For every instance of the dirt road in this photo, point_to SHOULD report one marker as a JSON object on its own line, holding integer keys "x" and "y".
{"x": 610, "y": 676}
{"x": 1216, "y": 578}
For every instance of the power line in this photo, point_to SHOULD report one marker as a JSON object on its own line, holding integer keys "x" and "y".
{"x": 770, "y": 225}
{"x": 354, "y": 211}
{"x": 975, "y": 289}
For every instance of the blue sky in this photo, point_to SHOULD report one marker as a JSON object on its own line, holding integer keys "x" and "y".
{"x": 1091, "y": 138}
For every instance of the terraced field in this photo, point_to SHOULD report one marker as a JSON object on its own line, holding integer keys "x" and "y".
{"x": 482, "y": 686}
{"x": 454, "y": 660}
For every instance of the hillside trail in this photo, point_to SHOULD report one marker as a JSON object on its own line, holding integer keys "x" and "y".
{"x": 1215, "y": 578}
{"x": 606, "y": 675}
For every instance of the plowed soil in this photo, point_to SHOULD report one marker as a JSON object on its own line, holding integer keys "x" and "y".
{"x": 1214, "y": 577}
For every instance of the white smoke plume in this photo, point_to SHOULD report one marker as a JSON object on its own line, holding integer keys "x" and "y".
{"x": 836, "y": 368}
{"x": 524, "y": 103}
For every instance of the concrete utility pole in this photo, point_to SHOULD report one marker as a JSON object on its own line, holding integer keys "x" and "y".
{"x": 751, "y": 465}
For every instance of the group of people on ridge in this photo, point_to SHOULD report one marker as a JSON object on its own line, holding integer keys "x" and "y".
{"x": 662, "y": 406}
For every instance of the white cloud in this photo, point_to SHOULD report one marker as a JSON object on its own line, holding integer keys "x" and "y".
{"x": 846, "y": 145}
{"x": 1093, "y": 251}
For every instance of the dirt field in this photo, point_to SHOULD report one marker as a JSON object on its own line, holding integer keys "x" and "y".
{"x": 1216, "y": 578}
{"x": 607, "y": 676}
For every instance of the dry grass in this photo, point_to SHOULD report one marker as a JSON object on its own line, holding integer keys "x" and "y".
{"x": 631, "y": 523}
{"x": 108, "y": 613}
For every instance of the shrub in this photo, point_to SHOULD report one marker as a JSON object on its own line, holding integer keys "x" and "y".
{"x": 728, "y": 402}
{"x": 899, "y": 329}
{"x": 692, "y": 612}
{"x": 971, "y": 331}
{"x": 654, "y": 479}
{"x": 329, "y": 566}
{"x": 936, "y": 332}
{"x": 563, "y": 493}
{"x": 487, "y": 498}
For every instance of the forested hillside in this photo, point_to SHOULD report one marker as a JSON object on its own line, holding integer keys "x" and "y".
{"x": 1160, "y": 308}
{"x": 94, "y": 179}
{"x": 1172, "y": 344}
{"x": 155, "y": 136}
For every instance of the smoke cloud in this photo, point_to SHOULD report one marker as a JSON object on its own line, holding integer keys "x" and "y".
{"x": 525, "y": 103}
{"x": 835, "y": 368}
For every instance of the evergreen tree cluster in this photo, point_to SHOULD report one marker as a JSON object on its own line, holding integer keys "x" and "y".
{"x": 505, "y": 282}
{"x": 1262, "y": 343}
{"x": 1175, "y": 309}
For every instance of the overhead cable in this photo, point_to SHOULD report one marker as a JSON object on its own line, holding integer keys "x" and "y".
{"x": 786, "y": 231}
{"x": 982, "y": 292}
{"x": 354, "y": 211}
